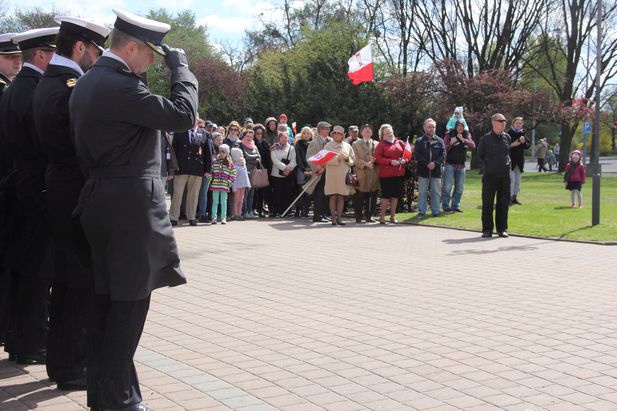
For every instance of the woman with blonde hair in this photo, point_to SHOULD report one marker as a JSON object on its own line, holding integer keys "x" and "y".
{"x": 303, "y": 172}
{"x": 389, "y": 158}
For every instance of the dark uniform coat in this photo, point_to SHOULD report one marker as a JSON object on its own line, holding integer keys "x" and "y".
{"x": 29, "y": 250}
{"x": 123, "y": 212}
{"x": 64, "y": 179}
{"x": 194, "y": 157}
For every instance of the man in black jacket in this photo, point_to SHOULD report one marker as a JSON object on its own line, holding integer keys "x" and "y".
{"x": 28, "y": 255}
{"x": 494, "y": 152}
{"x": 520, "y": 143}
{"x": 79, "y": 43}
{"x": 194, "y": 163}
{"x": 430, "y": 154}
{"x": 122, "y": 207}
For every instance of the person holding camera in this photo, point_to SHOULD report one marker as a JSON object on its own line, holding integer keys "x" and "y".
{"x": 520, "y": 143}
{"x": 457, "y": 141}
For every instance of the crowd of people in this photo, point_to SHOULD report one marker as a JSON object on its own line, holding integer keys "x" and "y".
{"x": 85, "y": 234}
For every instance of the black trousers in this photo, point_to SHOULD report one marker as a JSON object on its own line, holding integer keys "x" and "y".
{"x": 319, "y": 196}
{"x": 363, "y": 201}
{"x": 113, "y": 336}
{"x": 69, "y": 312}
{"x": 282, "y": 192}
{"x": 11, "y": 280}
{"x": 5, "y": 293}
{"x": 495, "y": 186}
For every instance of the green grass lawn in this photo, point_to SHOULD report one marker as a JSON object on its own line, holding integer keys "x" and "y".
{"x": 545, "y": 211}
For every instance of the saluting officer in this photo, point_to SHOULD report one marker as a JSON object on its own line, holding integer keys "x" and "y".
{"x": 79, "y": 43}
{"x": 10, "y": 64}
{"x": 122, "y": 205}
{"x": 29, "y": 251}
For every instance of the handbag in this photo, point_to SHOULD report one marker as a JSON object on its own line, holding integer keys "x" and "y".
{"x": 351, "y": 179}
{"x": 259, "y": 176}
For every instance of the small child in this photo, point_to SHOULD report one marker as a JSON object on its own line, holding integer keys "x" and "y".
{"x": 552, "y": 160}
{"x": 241, "y": 184}
{"x": 574, "y": 177}
{"x": 223, "y": 176}
{"x": 457, "y": 116}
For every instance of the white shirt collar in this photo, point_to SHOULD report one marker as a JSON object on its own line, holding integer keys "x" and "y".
{"x": 59, "y": 60}
{"x": 111, "y": 54}
{"x": 33, "y": 67}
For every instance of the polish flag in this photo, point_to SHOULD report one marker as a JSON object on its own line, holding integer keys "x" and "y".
{"x": 361, "y": 66}
{"x": 407, "y": 154}
{"x": 322, "y": 157}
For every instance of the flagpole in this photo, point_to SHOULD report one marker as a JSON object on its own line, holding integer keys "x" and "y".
{"x": 306, "y": 187}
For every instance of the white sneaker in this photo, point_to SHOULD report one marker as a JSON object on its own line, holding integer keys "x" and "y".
{"x": 224, "y": 221}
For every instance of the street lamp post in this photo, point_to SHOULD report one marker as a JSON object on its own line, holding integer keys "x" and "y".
{"x": 595, "y": 162}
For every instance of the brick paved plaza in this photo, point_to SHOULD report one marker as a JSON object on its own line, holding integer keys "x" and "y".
{"x": 281, "y": 314}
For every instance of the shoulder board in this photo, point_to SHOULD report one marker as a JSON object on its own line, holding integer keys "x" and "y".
{"x": 70, "y": 83}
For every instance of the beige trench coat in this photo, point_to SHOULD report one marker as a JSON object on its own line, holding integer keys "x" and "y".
{"x": 337, "y": 169}
{"x": 367, "y": 177}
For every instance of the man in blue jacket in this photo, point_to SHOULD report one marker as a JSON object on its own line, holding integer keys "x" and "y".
{"x": 430, "y": 154}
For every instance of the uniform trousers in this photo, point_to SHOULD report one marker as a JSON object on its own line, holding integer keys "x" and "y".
{"x": 69, "y": 313}
{"x": 495, "y": 185}
{"x": 113, "y": 336}
{"x": 193, "y": 185}
{"x": 5, "y": 284}
{"x": 30, "y": 313}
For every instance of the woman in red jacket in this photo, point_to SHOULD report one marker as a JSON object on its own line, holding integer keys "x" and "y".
{"x": 389, "y": 158}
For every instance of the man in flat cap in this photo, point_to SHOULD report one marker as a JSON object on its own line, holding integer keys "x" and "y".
{"x": 28, "y": 254}
{"x": 317, "y": 188}
{"x": 78, "y": 45}
{"x": 10, "y": 64}
{"x": 122, "y": 205}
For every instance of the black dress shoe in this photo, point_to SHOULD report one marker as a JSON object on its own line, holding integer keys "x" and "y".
{"x": 31, "y": 359}
{"x": 136, "y": 407}
{"x": 192, "y": 222}
{"x": 370, "y": 220}
{"x": 78, "y": 384}
{"x": 320, "y": 220}
{"x": 503, "y": 234}
{"x": 12, "y": 357}
{"x": 487, "y": 234}
{"x": 174, "y": 223}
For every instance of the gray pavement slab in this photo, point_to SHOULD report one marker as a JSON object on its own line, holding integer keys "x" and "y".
{"x": 284, "y": 314}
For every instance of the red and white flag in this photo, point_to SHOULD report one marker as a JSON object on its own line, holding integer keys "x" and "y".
{"x": 322, "y": 157}
{"x": 408, "y": 153}
{"x": 361, "y": 66}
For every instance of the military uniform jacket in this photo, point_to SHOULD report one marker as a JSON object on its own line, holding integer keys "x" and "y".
{"x": 28, "y": 252}
{"x": 122, "y": 205}
{"x": 64, "y": 178}
{"x": 194, "y": 157}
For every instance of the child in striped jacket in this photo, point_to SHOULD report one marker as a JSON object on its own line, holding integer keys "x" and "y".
{"x": 223, "y": 176}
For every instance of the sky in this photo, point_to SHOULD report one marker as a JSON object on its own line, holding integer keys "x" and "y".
{"x": 226, "y": 20}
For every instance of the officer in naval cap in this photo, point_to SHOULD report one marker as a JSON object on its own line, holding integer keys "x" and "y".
{"x": 122, "y": 205}
{"x": 28, "y": 253}
{"x": 10, "y": 64}
{"x": 78, "y": 45}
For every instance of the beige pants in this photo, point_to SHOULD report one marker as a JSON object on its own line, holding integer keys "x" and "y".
{"x": 192, "y": 184}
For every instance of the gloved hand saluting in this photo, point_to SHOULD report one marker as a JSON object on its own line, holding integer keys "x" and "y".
{"x": 174, "y": 58}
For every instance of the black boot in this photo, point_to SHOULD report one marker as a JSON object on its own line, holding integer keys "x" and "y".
{"x": 515, "y": 201}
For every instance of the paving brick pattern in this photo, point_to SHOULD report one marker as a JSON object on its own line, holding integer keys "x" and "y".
{"x": 282, "y": 314}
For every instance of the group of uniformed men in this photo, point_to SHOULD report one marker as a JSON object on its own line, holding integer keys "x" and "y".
{"x": 84, "y": 232}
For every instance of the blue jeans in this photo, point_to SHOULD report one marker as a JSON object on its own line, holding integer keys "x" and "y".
{"x": 424, "y": 184}
{"x": 202, "y": 203}
{"x": 247, "y": 204}
{"x": 452, "y": 176}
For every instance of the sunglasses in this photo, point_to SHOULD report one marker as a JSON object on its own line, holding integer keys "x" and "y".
{"x": 500, "y": 121}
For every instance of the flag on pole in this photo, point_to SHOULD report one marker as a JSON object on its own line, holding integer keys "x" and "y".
{"x": 361, "y": 66}
{"x": 322, "y": 157}
{"x": 407, "y": 154}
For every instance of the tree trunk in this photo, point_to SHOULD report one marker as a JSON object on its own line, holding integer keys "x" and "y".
{"x": 565, "y": 144}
